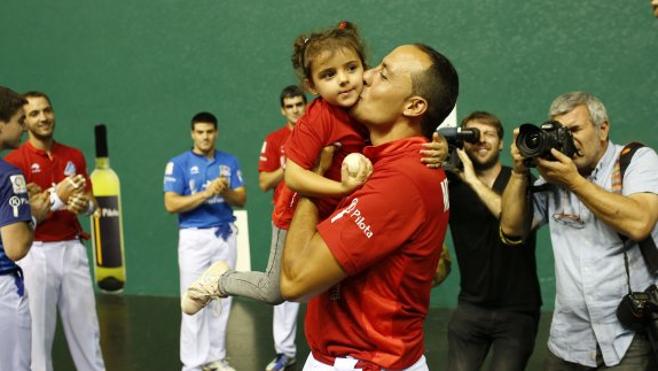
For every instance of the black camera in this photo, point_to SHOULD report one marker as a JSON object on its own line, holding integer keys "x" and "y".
{"x": 456, "y": 136}
{"x": 537, "y": 141}
{"x": 638, "y": 311}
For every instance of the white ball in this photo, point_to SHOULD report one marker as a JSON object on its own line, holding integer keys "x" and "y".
{"x": 354, "y": 161}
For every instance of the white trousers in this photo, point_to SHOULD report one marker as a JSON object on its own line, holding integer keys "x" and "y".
{"x": 203, "y": 335}
{"x": 15, "y": 336}
{"x": 348, "y": 364}
{"x": 284, "y": 328}
{"x": 57, "y": 279}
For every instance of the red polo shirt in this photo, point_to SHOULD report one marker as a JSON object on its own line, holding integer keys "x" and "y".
{"x": 273, "y": 157}
{"x": 323, "y": 125}
{"x": 387, "y": 236}
{"x": 45, "y": 170}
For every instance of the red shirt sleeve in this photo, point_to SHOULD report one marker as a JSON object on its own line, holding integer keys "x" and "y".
{"x": 270, "y": 154}
{"x": 375, "y": 221}
{"x": 312, "y": 133}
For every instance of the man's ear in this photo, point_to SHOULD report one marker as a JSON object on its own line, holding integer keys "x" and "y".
{"x": 415, "y": 106}
{"x": 603, "y": 131}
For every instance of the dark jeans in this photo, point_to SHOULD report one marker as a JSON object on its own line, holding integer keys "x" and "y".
{"x": 638, "y": 357}
{"x": 473, "y": 330}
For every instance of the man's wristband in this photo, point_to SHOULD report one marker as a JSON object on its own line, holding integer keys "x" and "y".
{"x": 91, "y": 207}
{"x": 34, "y": 223}
{"x": 509, "y": 240}
{"x": 56, "y": 203}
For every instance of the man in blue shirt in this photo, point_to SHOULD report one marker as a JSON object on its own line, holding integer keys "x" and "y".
{"x": 201, "y": 186}
{"x": 16, "y": 233}
{"x": 585, "y": 217}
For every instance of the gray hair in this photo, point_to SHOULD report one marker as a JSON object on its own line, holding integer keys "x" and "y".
{"x": 567, "y": 102}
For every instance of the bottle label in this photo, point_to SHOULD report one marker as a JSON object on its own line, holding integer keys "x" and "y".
{"x": 107, "y": 232}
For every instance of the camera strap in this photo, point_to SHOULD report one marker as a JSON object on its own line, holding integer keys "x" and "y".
{"x": 648, "y": 245}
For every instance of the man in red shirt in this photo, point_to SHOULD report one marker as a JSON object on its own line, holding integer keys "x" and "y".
{"x": 270, "y": 176}
{"x": 56, "y": 268}
{"x": 369, "y": 266}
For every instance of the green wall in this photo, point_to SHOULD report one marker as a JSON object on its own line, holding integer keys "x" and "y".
{"x": 144, "y": 68}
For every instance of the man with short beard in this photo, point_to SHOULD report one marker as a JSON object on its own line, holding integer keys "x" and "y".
{"x": 56, "y": 268}
{"x": 499, "y": 299}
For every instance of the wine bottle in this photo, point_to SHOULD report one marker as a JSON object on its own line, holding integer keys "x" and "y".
{"x": 106, "y": 222}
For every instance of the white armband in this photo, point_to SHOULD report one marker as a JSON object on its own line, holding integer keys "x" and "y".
{"x": 91, "y": 207}
{"x": 56, "y": 203}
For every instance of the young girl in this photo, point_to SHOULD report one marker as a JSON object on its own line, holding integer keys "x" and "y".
{"x": 330, "y": 64}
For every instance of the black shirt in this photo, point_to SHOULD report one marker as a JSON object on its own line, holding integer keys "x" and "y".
{"x": 493, "y": 274}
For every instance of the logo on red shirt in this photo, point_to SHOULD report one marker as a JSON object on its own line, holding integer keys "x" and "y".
{"x": 355, "y": 215}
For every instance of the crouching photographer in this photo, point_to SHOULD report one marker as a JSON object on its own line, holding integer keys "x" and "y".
{"x": 594, "y": 215}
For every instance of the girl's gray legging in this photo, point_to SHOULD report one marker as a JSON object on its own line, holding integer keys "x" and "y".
{"x": 261, "y": 286}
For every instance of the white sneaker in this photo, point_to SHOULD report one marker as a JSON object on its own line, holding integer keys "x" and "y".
{"x": 221, "y": 365}
{"x": 204, "y": 289}
{"x": 280, "y": 363}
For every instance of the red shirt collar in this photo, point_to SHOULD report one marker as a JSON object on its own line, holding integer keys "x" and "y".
{"x": 38, "y": 151}
{"x": 390, "y": 149}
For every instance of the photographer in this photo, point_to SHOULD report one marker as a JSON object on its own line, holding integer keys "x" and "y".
{"x": 499, "y": 299}
{"x": 585, "y": 217}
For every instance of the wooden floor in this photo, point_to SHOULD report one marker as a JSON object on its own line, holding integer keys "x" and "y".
{"x": 140, "y": 333}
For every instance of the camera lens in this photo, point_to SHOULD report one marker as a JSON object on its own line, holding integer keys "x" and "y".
{"x": 533, "y": 140}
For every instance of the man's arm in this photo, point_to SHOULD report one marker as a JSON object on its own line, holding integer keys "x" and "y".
{"x": 443, "y": 268}
{"x": 515, "y": 216}
{"x": 308, "y": 266}
{"x": 175, "y": 203}
{"x": 634, "y": 216}
{"x": 235, "y": 197}
{"x": 269, "y": 179}
{"x": 491, "y": 199}
{"x": 16, "y": 239}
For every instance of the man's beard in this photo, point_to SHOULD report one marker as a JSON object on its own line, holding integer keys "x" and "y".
{"x": 487, "y": 164}
{"x": 42, "y": 137}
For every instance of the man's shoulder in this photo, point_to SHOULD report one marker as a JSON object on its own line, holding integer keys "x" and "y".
{"x": 7, "y": 168}
{"x": 15, "y": 156}
{"x": 181, "y": 158}
{"x": 11, "y": 176}
{"x": 225, "y": 157}
{"x": 69, "y": 150}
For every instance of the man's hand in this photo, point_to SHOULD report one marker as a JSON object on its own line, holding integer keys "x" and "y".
{"x": 519, "y": 166}
{"x": 562, "y": 171}
{"x": 215, "y": 187}
{"x": 40, "y": 205}
{"x": 33, "y": 189}
{"x": 435, "y": 152}
{"x": 468, "y": 174}
{"x": 70, "y": 185}
{"x": 78, "y": 203}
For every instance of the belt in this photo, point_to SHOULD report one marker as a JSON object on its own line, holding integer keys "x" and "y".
{"x": 223, "y": 231}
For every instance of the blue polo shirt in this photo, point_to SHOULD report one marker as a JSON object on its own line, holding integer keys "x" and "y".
{"x": 14, "y": 206}
{"x": 189, "y": 173}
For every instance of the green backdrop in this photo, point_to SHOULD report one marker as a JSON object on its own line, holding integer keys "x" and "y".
{"x": 145, "y": 67}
